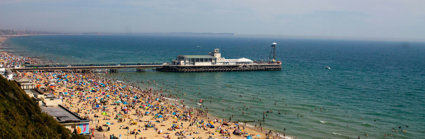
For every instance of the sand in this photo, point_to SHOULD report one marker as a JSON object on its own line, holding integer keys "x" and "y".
{"x": 101, "y": 100}
{"x": 2, "y": 39}
{"x": 173, "y": 112}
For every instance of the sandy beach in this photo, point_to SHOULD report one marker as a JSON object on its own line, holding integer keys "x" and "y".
{"x": 120, "y": 109}
{"x": 2, "y": 39}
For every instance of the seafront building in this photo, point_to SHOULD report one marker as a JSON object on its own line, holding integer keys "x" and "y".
{"x": 214, "y": 62}
{"x": 213, "y": 58}
{"x": 25, "y": 83}
{"x": 68, "y": 119}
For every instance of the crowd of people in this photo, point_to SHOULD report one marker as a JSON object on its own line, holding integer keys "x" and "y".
{"x": 118, "y": 109}
{"x": 8, "y": 60}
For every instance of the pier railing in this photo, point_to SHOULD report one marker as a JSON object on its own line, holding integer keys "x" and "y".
{"x": 256, "y": 66}
{"x": 31, "y": 67}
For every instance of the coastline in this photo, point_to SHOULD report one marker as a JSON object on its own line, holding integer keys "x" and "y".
{"x": 3, "y": 39}
{"x": 282, "y": 92}
{"x": 254, "y": 131}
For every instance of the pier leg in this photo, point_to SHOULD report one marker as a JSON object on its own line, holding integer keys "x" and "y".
{"x": 85, "y": 71}
{"x": 113, "y": 71}
{"x": 140, "y": 70}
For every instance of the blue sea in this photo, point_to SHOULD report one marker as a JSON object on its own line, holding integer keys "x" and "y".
{"x": 374, "y": 89}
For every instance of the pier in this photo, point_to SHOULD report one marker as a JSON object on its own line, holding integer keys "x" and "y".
{"x": 140, "y": 67}
{"x": 222, "y": 68}
{"x": 213, "y": 62}
{"x": 88, "y": 67}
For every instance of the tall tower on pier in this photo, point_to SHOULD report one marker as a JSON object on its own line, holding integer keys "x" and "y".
{"x": 274, "y": 51}
{"x": 216, "y": 53}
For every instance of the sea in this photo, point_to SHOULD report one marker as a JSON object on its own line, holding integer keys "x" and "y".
{"x": 326, "y": 89}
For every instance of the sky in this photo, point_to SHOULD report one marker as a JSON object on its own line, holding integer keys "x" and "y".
{"x": 401, "y": 19}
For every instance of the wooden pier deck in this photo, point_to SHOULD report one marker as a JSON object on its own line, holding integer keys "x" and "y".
{"x": 157, "y": 66}
{"x": 221, "y": 68}
{"x": 53, "y": 67}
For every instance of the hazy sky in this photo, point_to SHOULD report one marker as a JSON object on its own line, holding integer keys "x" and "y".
{"x": 328, "y": 18}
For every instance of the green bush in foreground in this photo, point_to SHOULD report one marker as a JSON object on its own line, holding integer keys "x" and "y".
{"x": 21, "y": 117}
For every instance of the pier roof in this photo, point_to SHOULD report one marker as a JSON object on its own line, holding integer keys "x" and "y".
{"x": 197, "y": 56}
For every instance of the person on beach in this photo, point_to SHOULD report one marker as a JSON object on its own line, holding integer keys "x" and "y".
{"x": 116, "y": 107}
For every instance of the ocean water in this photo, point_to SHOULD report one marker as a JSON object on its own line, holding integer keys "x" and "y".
{"x": 374, "y": 88}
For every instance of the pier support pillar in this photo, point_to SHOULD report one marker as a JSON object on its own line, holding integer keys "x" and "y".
{"x": 140, "y": 70}
{"x": 85, "y": 71}
{"x": 113, "y": 71}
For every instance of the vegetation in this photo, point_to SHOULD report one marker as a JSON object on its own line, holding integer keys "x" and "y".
{"x": 21, "y": 117}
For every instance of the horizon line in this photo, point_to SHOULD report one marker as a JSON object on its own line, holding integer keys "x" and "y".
{"x": 36, "y": 32}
